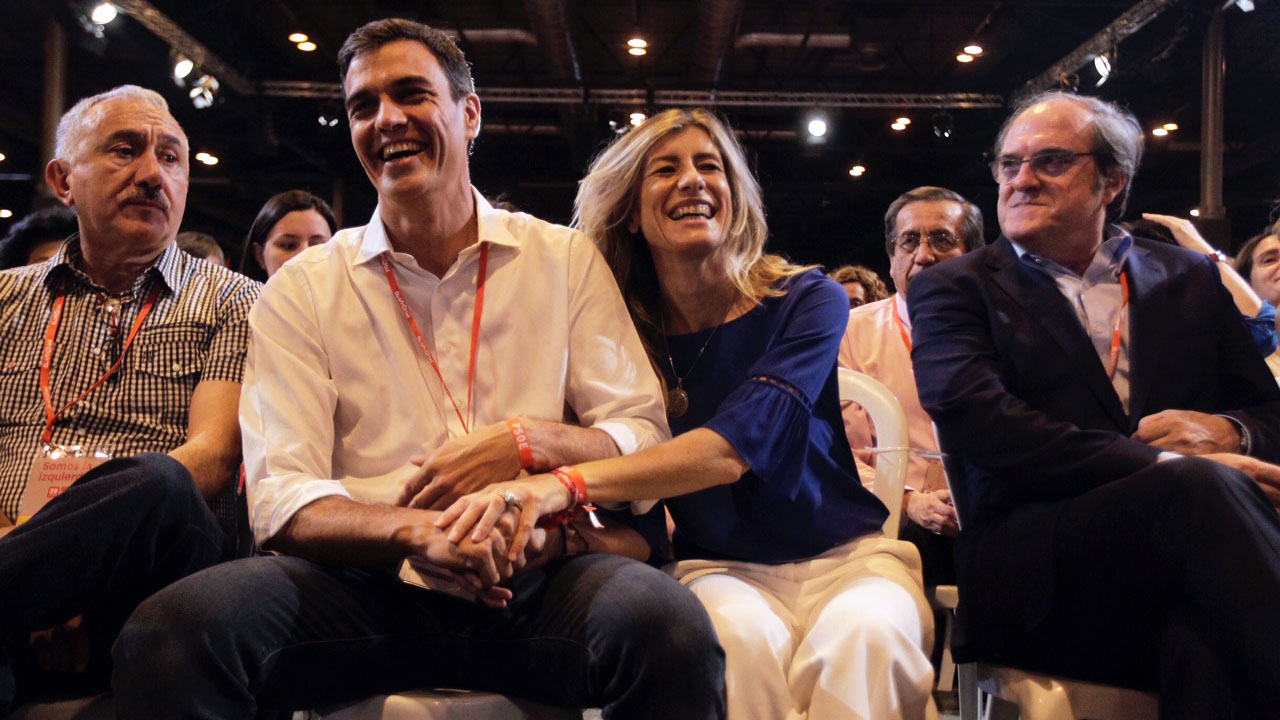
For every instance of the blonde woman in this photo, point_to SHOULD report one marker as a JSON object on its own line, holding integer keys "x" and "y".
{"x": 820, "y": 616}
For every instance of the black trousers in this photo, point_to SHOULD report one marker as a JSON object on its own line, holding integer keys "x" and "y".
{"x": 124, "y": 530}
{"x": 255, "y": 637}
{"x": 1168, "y": 579}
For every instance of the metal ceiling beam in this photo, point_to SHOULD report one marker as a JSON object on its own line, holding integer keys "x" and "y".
{"x": 717, "y": 22}
{"x": 167, "y": 30}
{"x": 551, "y": 27}
{"x": 1104, "y": 41}
{"x": 668, "y": 98}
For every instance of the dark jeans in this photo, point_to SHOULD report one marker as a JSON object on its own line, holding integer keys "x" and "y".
{"x": 124, "y": 530}
{"x": 1169, "y": 579}
{"x": 268, "y": 634}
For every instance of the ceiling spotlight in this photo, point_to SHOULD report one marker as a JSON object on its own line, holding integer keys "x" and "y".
{"x": 637, "y": 42}
{"x": 964, "y": 58}
{"x": 330, "y": 115}
{"x": 898, "y": 126}
{"x": 817, "y": 127}
{"x": 943, "y": 124}
{"x": 637, "y": 51}
{"x": 203, "y": 91}
{"x": 973, "y": 50}
{"x": 903, "y": 120}
{"x": 1170, "y": 126}
{"x": 637, "y": 118}
{"x": 306, "y": 46}
{"x": 1245, "y": 5}
{"x": 206, "y": 158}
{"x": 182, "y": 67}
{"x": 298, "y": 37}
{"x": 1159, "y": 132}
{"x": 6, "y": 213}
{"x": 1102, "y": 63}
{"x": 1195, "y": 212}
{"x": 103, "y": 13}
{"x": 2, "y": 157}
{"x": 857, "y": 171}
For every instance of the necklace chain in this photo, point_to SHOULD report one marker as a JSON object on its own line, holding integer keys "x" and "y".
{"x": 666, "y": 346}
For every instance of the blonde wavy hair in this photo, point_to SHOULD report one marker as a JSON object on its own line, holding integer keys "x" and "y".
{"x": 608, "y": 197}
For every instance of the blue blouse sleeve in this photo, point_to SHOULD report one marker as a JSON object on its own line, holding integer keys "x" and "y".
{"x": 1262, "y": 329}
{"x": 768, "y": 418}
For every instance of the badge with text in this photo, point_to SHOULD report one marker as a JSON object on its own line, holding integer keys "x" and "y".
{"x": 51, "y": 474}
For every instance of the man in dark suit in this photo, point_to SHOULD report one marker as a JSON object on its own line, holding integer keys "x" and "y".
{"x": 1070, "y": 369}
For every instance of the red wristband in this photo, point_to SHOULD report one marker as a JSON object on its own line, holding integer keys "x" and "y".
{"x": 522, "y": 443}
{"x": 572, "y": 481}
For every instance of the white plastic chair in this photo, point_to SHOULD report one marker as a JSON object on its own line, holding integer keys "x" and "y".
{"x": 98, "y": 707}
{"x": 892, "y": 447}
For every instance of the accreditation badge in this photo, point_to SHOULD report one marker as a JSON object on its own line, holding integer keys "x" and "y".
{"x": 52, "y": 472}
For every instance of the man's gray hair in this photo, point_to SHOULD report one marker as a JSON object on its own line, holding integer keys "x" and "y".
{"x": 72, "y": 125}
{"x": 1117, "y": 137}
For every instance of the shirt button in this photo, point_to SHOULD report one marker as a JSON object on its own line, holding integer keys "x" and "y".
{"x": 177, "y": 366}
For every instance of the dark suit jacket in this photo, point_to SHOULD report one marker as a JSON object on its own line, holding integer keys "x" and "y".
{"x": 1029, "y": 418}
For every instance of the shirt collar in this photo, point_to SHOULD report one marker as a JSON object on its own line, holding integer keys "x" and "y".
{"x": 1111, "y": 254}
{"x": 65, "y": 263}
{"x": 490, "y": 228}
{"x": 900, "y": 307}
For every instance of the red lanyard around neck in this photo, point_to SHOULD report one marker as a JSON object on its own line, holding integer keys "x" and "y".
{"x": 46, "y": 358}
{"x": 385, "y": 259}
{"x": 902, "y": 329}
{"x": 1114, "y": 357}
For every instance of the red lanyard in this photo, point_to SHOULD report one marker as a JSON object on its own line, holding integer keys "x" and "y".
{"x": 1115, "y": 332}
{"x": 902, "y": 330}
{"x": 46, "y": 358}
{"x": 385, "y": 259}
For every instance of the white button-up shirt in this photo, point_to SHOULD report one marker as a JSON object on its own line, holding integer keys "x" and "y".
{"x": 338, "y": 395}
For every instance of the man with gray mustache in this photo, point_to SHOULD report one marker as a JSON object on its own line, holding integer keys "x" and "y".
{"x": 120, "y": 367}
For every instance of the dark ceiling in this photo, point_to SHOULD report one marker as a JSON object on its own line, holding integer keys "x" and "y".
{"x": 533, "y": 150}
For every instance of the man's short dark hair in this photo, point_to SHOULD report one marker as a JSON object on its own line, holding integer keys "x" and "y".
{"x": 970, "y": 222}
{"x": 871, "y": 283}
{"x": 55, "y": 222}
{"x": 374, "y": 35}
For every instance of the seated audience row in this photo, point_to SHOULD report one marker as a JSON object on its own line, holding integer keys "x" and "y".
{"x": 401, "y": 381}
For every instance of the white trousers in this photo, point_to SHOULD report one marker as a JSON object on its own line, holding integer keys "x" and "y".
{"x": 842, "y": 636}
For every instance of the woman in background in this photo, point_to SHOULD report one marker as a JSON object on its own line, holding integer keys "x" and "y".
{"x": 1259, "y": 262}
{"x": 819, "y": 614}
{"x": 287, "y": 224}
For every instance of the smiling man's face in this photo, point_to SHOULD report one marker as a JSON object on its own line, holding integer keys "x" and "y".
{"x": 409, "y": 133}
{"x": 1036, "y": 211}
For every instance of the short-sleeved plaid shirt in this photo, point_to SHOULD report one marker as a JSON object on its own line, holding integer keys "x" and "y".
{"x": 198, "y": 330}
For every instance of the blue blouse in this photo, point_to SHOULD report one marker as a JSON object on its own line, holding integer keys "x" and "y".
{"x": 767, "y": 384}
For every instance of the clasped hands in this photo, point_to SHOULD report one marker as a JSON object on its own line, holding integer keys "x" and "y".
{"x": 472, "y": 471}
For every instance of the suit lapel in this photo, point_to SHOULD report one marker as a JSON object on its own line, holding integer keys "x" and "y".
{"x": 1040, "y": 297}
{"x": 1147, "y": 293}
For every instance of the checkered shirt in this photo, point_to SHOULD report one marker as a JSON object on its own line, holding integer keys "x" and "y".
{"x": 198, "y": 330}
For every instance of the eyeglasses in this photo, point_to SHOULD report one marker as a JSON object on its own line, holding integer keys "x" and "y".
{"x": 1046, "y": 164}
{"x": 940, "y": 241}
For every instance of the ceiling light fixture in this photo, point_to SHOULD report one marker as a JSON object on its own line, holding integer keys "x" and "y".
{"x": 1170, "y": 126}
{"x": 1195, "y": 212}
{"x": 964, "y": 58}
{"x": 637, "y": 51}
{"x": 206, "y": 158}
{"x": 637, "y": 42}
{"x": 103, "y": 13}
{"x": 637, "y": 118}
{"x": 182, "y": 67}
{"x": 1245, "y": 5}
{"x": 306, "y": 46}
{"x": 2, "y": 157}
{"x": 5, "y": 213}
{"x": 1102, "y": 64}
{"x": 943, "y": 124}
{"x": 898, "y": 126}
{"x": 974, "y": 50}
{"x": 817, "y": 127}
{"x": 1159, "y": 132}
{"x": 204, "y": 91}
{"x": 298, "y": 37}
{"x": 857, "y": 171}
{"x": 904, "y": 120}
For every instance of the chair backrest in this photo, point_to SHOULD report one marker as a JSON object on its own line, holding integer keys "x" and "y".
{"x": 892, "y": 447}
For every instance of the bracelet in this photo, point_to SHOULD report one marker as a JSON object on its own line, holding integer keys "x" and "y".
{"x": 1246, "y": 438}
{"x": 522, "y": 443}
{"x": 572, "y": 481}
{"x": 1219, "y": 256}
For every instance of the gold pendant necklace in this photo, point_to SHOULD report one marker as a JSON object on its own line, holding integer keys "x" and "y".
{"x": 678, "y": 397}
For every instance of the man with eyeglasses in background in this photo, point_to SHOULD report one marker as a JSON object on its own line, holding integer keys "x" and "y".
{"x": 922, "y": 227}
{"x": 120, "y": 366}
{"x": 1071, "y": 370}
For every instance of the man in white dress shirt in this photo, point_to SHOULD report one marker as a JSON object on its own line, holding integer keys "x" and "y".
{"x": 442, "y": 347}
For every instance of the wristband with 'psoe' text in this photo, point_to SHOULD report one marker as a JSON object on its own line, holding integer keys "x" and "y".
{"x": 522, "y": 443}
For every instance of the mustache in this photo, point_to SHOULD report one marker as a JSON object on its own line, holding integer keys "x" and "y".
{"x": 144, "y": 193}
